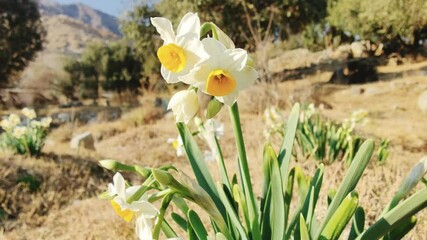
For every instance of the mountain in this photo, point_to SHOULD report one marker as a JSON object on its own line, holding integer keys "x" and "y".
{"x": 70, "y": 29}
{"x": 92, "y": 17}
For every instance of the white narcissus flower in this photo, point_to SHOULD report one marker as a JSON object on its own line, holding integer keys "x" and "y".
{"x": 19, "y": 131}
{"x": 45, "y": 122}
{"x": 6, "y": 125}
{"x": 35, "y": 124}
{"x": 224, "y": 73}
{"x": 14, "y": 119}
{"x": 29, "y": 113}
{"x": 184, "y": 105}
{"x": 121, "y": 194}
{"x": 178, "y": 145}
{"x": 179, "y": 52}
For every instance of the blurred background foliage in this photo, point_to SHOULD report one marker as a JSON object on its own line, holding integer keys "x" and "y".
{"x": 265, "y": 28}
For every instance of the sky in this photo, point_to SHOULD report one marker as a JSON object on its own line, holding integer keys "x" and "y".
{"x": 113, "y": 7}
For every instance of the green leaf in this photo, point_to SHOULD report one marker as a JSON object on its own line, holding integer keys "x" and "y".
{"x": 288, "y": 194}
{"x": 341, "y": 217}
{"x": 180, "y": 221}
{"x": 277, "y": 217}
{"x": 305, "y": 235}
{"x": 285, "y": 154}
{"x": 396, "y": 216}
{"x": 358, "y": 223}
{"x": 214, "y": 106}
{"x": 245, "y": 177}
{"x": 197, "y": 225}
{"x": 311, "y": 198}
{"x": 234, "y": 218}
{"x": 198, "y": 164}
{"x": 407, "y": 225}
{"x": 350, "y": 180}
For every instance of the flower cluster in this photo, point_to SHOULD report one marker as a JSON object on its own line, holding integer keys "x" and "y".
{"x": 212, "y": 65}
{"x": 27, "y": 136}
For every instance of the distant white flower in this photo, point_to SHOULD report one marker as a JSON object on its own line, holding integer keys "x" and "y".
{"x": 6, "y": 125}
{"x": 29, "y": 113}
{"x": 179, "y": 52}
{"x": 46, "y": 121}
{"x": 35, "y": 124}
{"x": 184, "y": 105}
{"x": 19, "y": 131}
{"x": 208, "y": 131}
{"x": 224, "y": 73}
{"x": 121, "y": 194}
{"x": 215, "y": 127}
{"x": 178, "y": 145}
{"x": 14, "y": 119}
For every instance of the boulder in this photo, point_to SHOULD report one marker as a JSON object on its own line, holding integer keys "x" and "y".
{"x": 84, "y": 140}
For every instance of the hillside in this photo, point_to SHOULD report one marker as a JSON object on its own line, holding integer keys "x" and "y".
{"x": 91, "y": 17}
{"x": 69, "y": 28}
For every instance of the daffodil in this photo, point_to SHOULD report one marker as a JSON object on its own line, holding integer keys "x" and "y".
{"x": 35, "y": 124}
{"x": 224, "y": 73}
{"x": 29, "y": 113}
{"x": 19, "y": 131}
{"x": 180, "y": 51}
{"x": 6, "y": 125}
{"x": 177, "y": 145}
{"x": 184, "y": 105}
{"x": 121, "y": 195}
{"x": 14, "y": 119}
{"x": 45, "y": 122}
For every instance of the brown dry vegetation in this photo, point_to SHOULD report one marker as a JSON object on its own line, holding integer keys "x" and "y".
{"x": 66, "y": 206}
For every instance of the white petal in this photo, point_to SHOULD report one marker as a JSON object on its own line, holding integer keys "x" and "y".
{"x": 164, "y": 28}
{"x": 111, "y": 190}
{"x": 145, "y": 208}
{"x": 143, "y": 228}
{"x": 189, "y": 25}
{"x": 229, "y": 99}
{"x": 130, "y": 191}
{"x": 119, "y": 184}
{"x": 199, "y": 74}
{"x": 245, "y": 78}
{"x": 213, "y": 47}
{"x": 224, "y": 38}
{"x": 239, "y": 57}
{"x": 169, "y": 76}
{"x": 184, "y": 105}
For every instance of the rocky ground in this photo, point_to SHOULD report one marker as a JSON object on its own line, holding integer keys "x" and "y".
{"x": 63, "y": 204}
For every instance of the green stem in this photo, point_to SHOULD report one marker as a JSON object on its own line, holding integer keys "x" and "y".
{"x": 223, "y": 169}
{"x": 145, "y": 187}
{"x": 160, "y": 217}
{"x": 245, "y": 175}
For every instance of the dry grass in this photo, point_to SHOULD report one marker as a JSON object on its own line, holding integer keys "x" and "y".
{"x": 393, "y": 115}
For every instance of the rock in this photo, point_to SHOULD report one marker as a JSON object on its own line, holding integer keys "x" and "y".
{"x": 358, "y": 50}
{"x": 422, "y": 101}
{"x": 83, "y": 140}
{"x": 342, "y": 52}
